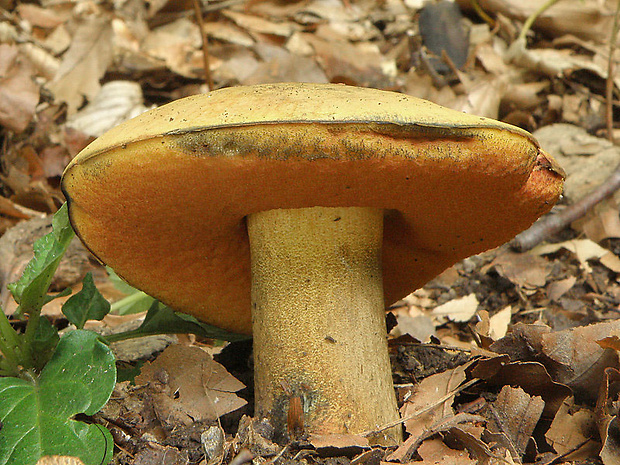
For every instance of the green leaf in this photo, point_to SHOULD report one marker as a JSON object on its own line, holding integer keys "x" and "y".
{"x": 45, "y": 340}
{"x": 126, "y": 371}
{"x": 30, "y": 291}
{"x": 118, "y": 282}
{"x": 36, "y": 415}
{"x": 88, "y": 304}
{"x": 161, "y": 319}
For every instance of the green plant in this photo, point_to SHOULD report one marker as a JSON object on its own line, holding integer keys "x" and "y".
{"x": 46, "y": 378}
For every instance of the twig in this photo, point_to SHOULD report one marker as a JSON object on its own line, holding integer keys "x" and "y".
{"x": 205, "y": 45}
{"x": 609, "y": 83}
{"x": 428, "y": 408}
{"x": 551, "y": 224}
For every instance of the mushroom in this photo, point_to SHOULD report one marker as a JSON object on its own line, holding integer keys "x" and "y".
{"x": 295, "y": 213}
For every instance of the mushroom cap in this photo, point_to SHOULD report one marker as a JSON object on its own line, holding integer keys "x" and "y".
{"x": 163, "y": 198}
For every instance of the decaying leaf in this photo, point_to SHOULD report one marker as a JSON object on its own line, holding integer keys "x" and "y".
{"x": 584, "y": 250}
{"x": 496, "y": 326}
{"x": 580, "y": 361}
{"x": 532, "y": 377}
{"x": 512, "y": 419}
{"x": 526, "y": 270}
{"x": 427, "y": 393}
{"x": 338, "y": 444}
{"x": 84, "y": 64}
{"x": 607, "y": 416}
{"x": 405, "y": 452}
{"x": 435, "y": 452}
{"x": 571, "y": 428}
{"x": 187, "y": 385}
{"x": 19, "y": 94}
{"x": 460, "y": 310}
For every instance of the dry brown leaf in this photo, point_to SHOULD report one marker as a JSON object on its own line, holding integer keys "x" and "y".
{"x": 557, "y": 289}
{"x": 338, "y": 444}
{"x": 256, "y": 24}
{"x": 204, "y": 388}
{"x": 607, "y": 417}
{"x": 580, "y": 361}
{"x": 228, "y": 33}
{"x": 601, "y": 222}
{"x": 429, "y": 391}
{"x": 41, "y": 17}
{"x": 611, "y": 261}
{"x": 498, "y": 324}
{"x": 515, "y": 415}
{"x": 360, "y": 64}
{"x": 532, "y": 377}
{"x": 405, "y": 452}
{"x": 178, "y": 44}
{"x": 84, "y": 64}
{"x": 526, "y": 270}
{"x": 279, "y": 65}
{"x": 461, "y": 309}
{"x": 435, "y": 452}
{"x": 584, "y": 250}
{"x": 570, "y": 430}
{"x": 19, "y": 94}
{"x": 478, "y": 448}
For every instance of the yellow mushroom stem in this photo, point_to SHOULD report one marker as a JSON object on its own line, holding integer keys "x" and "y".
{"x": 319, "y": 322}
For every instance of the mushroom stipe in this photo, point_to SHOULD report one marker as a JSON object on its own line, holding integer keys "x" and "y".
{"x": 296, "y": 213}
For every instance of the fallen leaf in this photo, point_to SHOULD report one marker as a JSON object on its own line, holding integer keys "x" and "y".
{"x": 428, "y": 393}
{"x": 84, "y": 64}
{"x": 435, "y": 452}
{"x": 584, "y": 250}
{"x": 187, "y": 385}
{"x": 499, "y": 323}
{"x": 557, "y": 289}
{"x": 459, "y": 310}
{"x": 611, "y": 261}
{"x": 514, "y": 416}
{"x": 601, "y": 222}
{"x": 532, "y": 377}
{"x": 38, "y": 16}
{"x": 405, "y": 452}
{"x": 478, "y": 448}
{"x": 580, "y": 361}
{"x": 607, "y": 417}
{"x": 19, "y": 94}
{"x": 526, "y": 270}
{"x": 178, "y": 45}
{"x": 571, "y": 427}
{"x": 332, "y": 445}
{"x": 256, "y": 24}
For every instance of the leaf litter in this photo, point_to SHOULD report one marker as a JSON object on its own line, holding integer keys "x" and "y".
{"x": 519, "y": 351}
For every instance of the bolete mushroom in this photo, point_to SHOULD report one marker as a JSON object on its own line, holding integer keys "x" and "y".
{"x": 296, "y": 212}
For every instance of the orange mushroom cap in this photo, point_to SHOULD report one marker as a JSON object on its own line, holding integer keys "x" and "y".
{"x": 162, "y": 198}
